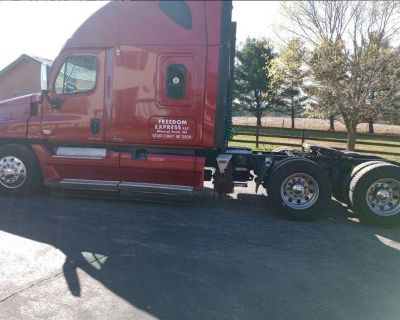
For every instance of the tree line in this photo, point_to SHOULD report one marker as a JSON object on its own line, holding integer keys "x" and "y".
{"x": 340, "y": 60}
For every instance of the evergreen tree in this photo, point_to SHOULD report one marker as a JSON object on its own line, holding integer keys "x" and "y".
{"x": 252, "y": 90}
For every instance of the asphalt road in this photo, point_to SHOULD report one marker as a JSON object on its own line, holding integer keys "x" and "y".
{"x": 72, "y": 258}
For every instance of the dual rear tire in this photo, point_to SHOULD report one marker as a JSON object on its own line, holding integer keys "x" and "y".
{"x": 301, "y": 189}
{"x": 374, "y": 193}
{"x": 341, "y": 188}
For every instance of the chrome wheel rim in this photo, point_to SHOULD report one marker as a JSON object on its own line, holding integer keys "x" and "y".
{"x": 383, "y": 197}
{"x": 12, "y": 172}
{"x": 299, "y": 191}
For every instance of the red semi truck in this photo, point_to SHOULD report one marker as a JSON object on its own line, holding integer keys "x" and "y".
{"x": 136, "y": 102}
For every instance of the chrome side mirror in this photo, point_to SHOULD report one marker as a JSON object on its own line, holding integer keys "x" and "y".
{"x": 43, "y": 78}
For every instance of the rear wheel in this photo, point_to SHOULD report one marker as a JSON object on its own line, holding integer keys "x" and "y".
{"x": 341, "y": 190}
{"x": 19, "y": 171}
{"x": 375, "y": 194}
{"x": 299, "y": 188}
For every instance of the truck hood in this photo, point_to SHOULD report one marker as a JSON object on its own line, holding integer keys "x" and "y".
{"x": 18, "y": 108}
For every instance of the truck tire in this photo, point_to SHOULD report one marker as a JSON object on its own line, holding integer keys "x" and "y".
{"x": 299, "y": 188}
{"x": 341, "y": 190}
{"x": 20, "y": 173}
{"x": 375, "y": 194}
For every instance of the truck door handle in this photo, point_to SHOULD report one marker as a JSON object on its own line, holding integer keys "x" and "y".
{"x": 95, "y": 125}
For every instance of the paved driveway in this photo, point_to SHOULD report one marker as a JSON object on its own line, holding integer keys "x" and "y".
{"x": 70, "y": 258}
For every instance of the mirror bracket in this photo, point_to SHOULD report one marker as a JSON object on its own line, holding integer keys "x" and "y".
{"x": 55, "y": 103}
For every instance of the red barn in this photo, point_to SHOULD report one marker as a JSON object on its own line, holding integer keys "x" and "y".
{"x": 21, "y": 76}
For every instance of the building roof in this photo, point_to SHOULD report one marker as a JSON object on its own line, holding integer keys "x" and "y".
{"x": 25, "y": 57}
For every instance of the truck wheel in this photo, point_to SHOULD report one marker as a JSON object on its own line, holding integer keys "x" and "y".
{"x": 341, "y": 191}
{"x": 20, "y": 173}
{"x": 375, "y": 194}
{"x": 299, "y": 188}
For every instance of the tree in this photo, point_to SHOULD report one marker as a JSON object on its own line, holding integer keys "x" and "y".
{"x": 386, "y": 100}
{"x": 351, "y": 54}
{"x": 288, "y": 76}
{"x": 326, "y": 62}
{"x": 252, "y": 90}
{"x": 321, "y": 104}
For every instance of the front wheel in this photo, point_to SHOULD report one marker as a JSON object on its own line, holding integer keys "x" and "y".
{"x": 299, "y": 188}
{"x": 19, "y": 170}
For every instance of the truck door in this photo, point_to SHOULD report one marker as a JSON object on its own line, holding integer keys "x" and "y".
{"x": 73, "y": 122}
{"x": 77, "y": 91}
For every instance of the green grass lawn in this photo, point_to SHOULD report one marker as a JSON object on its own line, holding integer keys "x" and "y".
{"x": 294, "y": 136}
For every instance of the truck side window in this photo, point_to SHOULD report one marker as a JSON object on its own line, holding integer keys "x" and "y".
{"x": 77, "y": 74}
{"x": 178, "y": 11}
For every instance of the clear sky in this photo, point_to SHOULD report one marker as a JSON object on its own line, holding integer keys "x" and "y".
{"x": 41, "y": 28}
{"x": 256, "y": 19}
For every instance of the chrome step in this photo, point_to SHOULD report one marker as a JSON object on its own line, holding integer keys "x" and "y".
{"x": 84, "y": 184}
{"x": 120, "y": 186}
{"x": 154, "y": 187}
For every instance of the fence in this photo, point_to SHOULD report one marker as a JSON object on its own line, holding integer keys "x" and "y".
{"x": 319, "y": 124}
{"x": 256, "y": 131}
